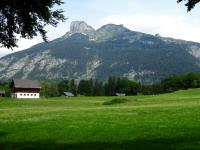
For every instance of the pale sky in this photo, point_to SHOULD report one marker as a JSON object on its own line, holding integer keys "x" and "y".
{"x": 167, "y": 18}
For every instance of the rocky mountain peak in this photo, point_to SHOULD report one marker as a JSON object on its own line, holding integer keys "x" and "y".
{"x": 109, "y": 31}
{"x": 113, "y": 28}
{"x": 81, "y": 27}
{"x": 111, "y": 50}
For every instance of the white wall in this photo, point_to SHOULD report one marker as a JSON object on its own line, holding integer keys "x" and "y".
{"x": 25, "y": 95}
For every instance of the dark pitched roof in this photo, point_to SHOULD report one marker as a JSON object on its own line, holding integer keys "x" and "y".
{"x": 69, "y": 94}
{"x": 21, "y": 83}
{"x": 120, "y": 94}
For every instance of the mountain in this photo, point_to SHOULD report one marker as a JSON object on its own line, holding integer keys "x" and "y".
{"x": 112, "y": 50}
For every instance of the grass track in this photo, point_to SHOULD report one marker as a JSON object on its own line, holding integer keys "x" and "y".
{"x": 164, "y": 122}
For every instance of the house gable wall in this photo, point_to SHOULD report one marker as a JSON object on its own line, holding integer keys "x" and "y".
{"x": 23, "y": 95}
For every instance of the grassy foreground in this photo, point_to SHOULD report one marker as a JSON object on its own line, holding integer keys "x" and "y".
{"x": 164, "y": 122}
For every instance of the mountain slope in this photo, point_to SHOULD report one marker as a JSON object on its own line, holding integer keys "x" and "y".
{"x": 112, "y": 50}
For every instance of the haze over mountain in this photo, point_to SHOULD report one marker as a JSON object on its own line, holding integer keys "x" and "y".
{"x": 112, "y": 50}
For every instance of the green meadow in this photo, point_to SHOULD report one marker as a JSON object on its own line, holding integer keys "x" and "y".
{"x": 163, "y": 122}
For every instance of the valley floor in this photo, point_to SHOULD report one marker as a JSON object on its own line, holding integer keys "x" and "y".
{"x": 164, "y": 122}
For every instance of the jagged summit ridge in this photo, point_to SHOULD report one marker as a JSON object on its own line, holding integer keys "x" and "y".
{"x": 113, "y": 28}
{"x": 81, "y": 27}
{"x": 100, "y": 34}
{"x": 112, "y": 50}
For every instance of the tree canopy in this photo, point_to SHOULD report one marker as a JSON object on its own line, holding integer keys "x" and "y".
{"x": 27, "y": 18}
{"x": 190, "y": 3}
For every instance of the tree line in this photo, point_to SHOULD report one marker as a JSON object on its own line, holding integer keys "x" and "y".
{"x": 90, "y": 87}
{"x": 173, "y": 83}
{"x": 115, "y": 85}
{"x": 120, "y": 85}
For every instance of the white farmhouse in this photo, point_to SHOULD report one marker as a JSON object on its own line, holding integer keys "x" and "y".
{"x": 25, "y": 89}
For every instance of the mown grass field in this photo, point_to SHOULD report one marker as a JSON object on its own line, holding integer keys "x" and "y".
{"x": 164, "y": 122}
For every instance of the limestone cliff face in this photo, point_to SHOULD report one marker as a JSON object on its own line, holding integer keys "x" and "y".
{"x": 81, "y": 27}
{"x": 112, "y": 50}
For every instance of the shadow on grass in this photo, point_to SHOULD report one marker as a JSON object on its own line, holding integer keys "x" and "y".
{"x": 161, "y": 144}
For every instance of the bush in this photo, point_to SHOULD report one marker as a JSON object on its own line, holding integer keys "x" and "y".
{"x": 116, "y": 101}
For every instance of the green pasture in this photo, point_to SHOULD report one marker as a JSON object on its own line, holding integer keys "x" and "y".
{"x": 164, "y": 122}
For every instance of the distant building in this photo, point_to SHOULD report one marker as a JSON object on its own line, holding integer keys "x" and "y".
{"x": 120, "y": 94}
{"x": 2, "y": 93}
{"x": 25, "y": 89}
{"x": 68, "y": 94}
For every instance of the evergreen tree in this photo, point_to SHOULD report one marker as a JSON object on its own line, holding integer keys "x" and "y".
{"x": 127, "y": 86}
{"x": 110, "y": 87}
{"x": 85, "y": 87}
{"x": 63, "y": 86}
{"x": 49, "y": 89}
{"x": 6, "y": 87}
{"x": 98, "y": 89}
{"x": 132, "y": 87}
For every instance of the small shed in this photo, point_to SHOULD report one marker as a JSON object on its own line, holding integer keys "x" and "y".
{"x": 2, "y": 93}
{"x": 68, "y": 94}
{"x": 120, "y": 94}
